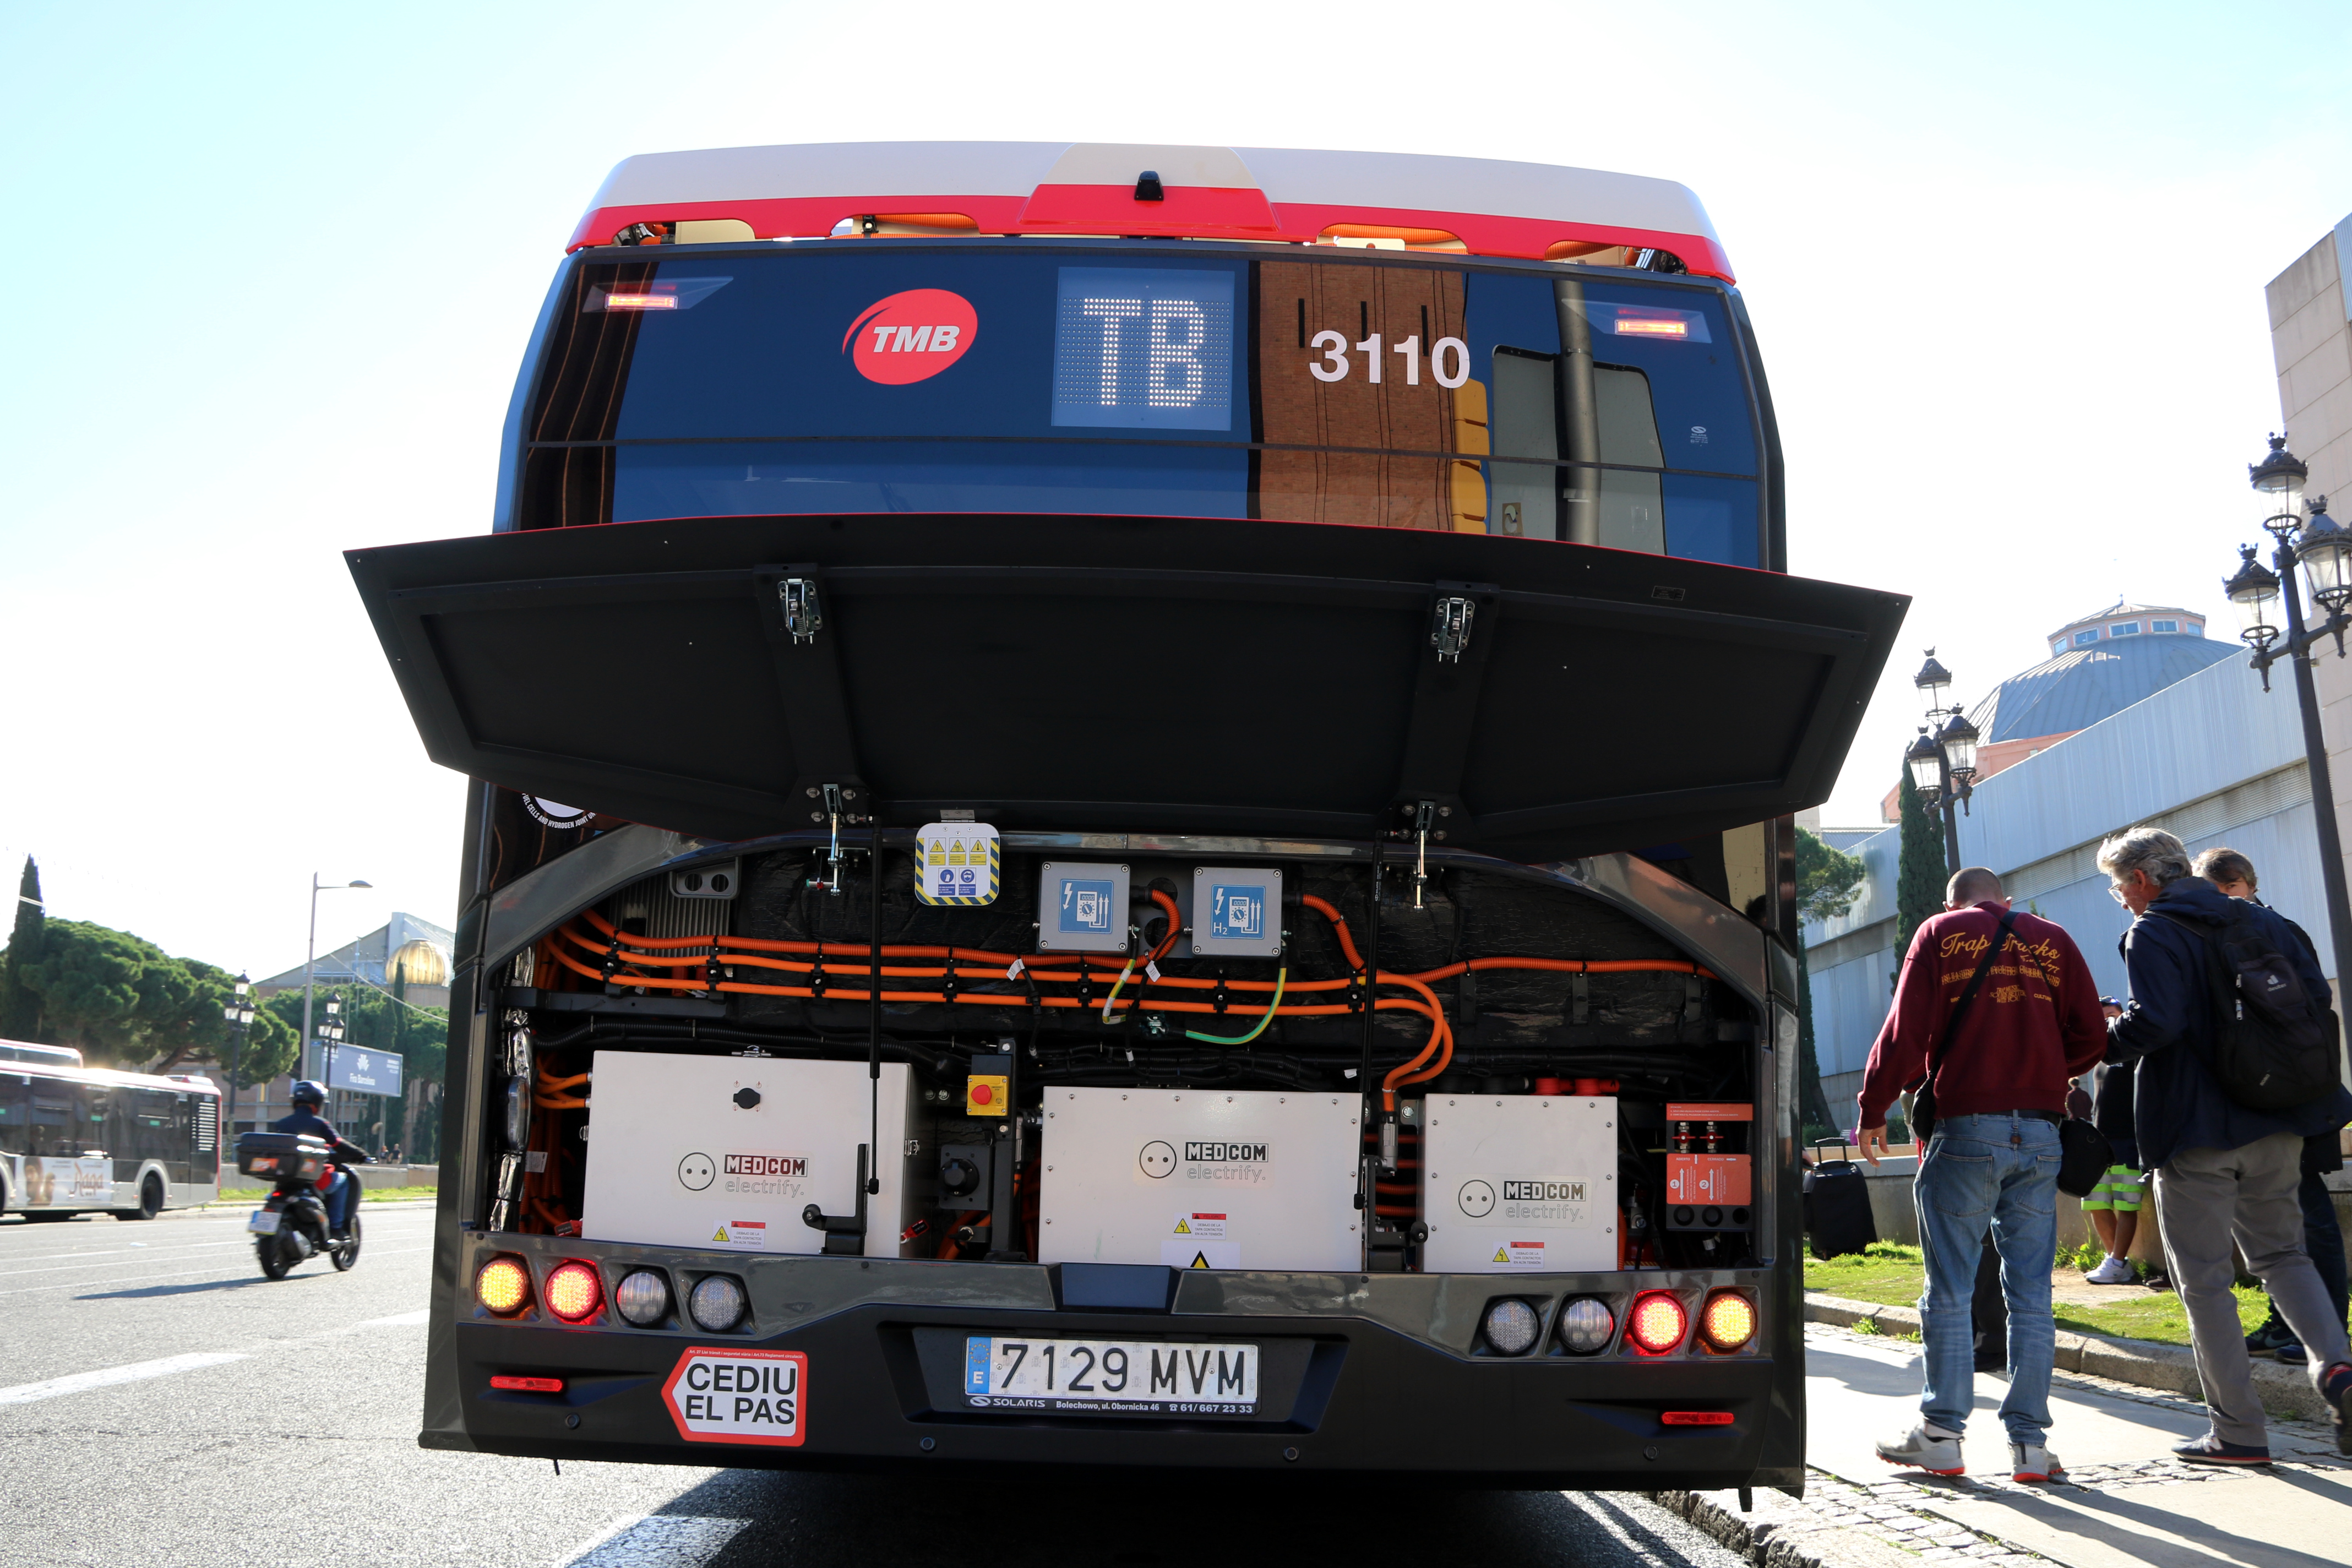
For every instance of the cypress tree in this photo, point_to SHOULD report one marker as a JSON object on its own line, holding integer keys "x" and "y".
{"x": 1921, "y": 875}
{"x": 20, "y": 1008}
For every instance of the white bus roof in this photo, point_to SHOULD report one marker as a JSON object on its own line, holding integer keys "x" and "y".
{"x": 1492, "y": 205}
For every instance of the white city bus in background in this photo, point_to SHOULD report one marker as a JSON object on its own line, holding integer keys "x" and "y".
{"x": 75, "y": 1139}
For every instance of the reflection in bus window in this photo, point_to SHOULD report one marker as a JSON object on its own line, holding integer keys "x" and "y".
{"x": 1346, "y": 364}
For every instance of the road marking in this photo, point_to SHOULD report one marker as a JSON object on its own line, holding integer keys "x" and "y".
{"x": 401, "y": 1320}
{"x": 137, "y": 1372}
{"x": 658, "y": 1540}
{"x": 185, "y": 1273}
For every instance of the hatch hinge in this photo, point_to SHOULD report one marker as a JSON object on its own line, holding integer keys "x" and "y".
{"x": 803, "y": 617}
{"x": 1425, "y": 813}
{"x": 1449, "y": 631}
{"x": 833, "y": 857}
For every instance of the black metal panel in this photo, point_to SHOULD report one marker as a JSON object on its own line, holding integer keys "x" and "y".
{"x": 1128, "y": 674}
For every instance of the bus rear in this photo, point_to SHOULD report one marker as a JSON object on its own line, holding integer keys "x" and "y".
{"x": 1132, "y": 808}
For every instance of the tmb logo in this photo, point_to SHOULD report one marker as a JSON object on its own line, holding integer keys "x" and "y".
{"x": 912, "y": 336}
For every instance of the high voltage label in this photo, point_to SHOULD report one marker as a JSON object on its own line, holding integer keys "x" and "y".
{"x": 960, "y": 863}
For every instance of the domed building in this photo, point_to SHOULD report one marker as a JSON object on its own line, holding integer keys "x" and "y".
{"x": 2099, "y": 666}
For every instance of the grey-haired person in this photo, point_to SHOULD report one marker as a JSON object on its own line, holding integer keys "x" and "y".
{"x": 2223, "y": 1170}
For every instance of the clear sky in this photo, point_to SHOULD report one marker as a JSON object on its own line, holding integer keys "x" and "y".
{"x": 269, "y": 269}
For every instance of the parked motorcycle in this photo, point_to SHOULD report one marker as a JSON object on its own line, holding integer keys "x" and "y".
{"x": 291, "y": 1227}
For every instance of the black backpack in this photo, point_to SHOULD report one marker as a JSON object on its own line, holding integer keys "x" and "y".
{"x": 2273, "y": 1043}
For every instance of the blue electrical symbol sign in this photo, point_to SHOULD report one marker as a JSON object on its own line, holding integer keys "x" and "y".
{"x": 1086, "y": 905}
{"x": 1237, "y": 912}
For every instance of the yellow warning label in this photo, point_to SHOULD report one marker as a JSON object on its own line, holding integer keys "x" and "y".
{"x": 939, "y": 847}
{"x": 1183, "y": 1229}
{"x": 1200, "y": 1260}
{"x": 1501, "y": 1256}
{"x": 720, "y": 1235}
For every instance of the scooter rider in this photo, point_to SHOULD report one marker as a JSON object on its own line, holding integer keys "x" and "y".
{"x": 310, "y": 1100}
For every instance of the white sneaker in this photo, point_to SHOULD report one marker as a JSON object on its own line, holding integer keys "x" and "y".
{"x": 2111, "y": 1270}
{"x": 1937, "y": 1456}
{"x": 2032, "y": 1462}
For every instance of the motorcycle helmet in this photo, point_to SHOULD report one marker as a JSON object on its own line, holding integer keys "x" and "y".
{"x": 308, "y": 1092}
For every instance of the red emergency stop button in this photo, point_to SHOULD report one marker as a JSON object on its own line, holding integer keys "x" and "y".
{"x": 984, "y": 1095}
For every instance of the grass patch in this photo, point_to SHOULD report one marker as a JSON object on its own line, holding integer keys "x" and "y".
{"x": 379, "y": 1194}
{"x": 1888, "y": 1273}
{"x": 1894, "y": 1275}
{"x": 2155, "y": 1315}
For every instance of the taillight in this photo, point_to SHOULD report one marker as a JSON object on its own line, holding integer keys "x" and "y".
{"x": 1585, "y": 1325}
{"x": 1728, "y": 1320}
{"x": 528, "y": 1385}
{"x": 1512, "y": 1326}
{"x": 1657, "y": 1322}
{"x": 503, "y": 1285}
{"x": 716, "y": 1304}
{"x": 1696, "y": 1418}
{"x": 574, "y": 1292}
{"x": 643, "y": 1297}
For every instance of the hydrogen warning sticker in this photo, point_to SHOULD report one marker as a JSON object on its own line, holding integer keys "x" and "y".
{"x": 740, "y": 1396}
{"x": 960, "y": 863}
{"x": 749, "y": 1234}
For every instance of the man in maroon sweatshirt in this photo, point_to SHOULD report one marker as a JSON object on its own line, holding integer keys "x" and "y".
{"x": 2033, "y": 1022}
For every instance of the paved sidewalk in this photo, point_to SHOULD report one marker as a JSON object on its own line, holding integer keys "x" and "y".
{"x": 2128, "y": 1502}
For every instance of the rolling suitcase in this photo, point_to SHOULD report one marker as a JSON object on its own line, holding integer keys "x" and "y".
{"x": 1837, "y": 1206}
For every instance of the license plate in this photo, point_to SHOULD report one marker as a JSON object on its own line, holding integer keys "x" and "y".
{"x": 1110, "y": 1376}
{"x": 263, "y": 1223}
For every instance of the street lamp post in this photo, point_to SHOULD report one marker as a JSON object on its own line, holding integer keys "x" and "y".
{"x": 330, "y": 1031}
{"x": 239, "y": 1013}
{"x": 1943, "y": 760}
{"x": 2324, "y": 550}
{"x": 310, "y": 955}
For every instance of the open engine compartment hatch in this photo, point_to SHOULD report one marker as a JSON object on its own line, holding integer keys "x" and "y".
{"x": 1538, "y": 700}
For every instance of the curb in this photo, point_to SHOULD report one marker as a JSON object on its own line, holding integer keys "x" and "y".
{"x": 2170, "y": 1369}
{"x": 1781, "y": 1533}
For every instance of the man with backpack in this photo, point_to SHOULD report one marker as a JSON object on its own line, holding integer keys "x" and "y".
{"x": 2323, "y": 1238}
{"x": 2232, "y": 1055}
{"x": 1996, "y": 1010}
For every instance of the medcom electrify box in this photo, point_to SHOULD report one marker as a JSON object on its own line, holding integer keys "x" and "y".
{"x": 725, "y": 1153}
{"x": 1199, "y": 1179}
{"x": 1518, "y": 1184}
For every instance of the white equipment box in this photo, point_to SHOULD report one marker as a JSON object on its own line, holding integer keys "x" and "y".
{"x": 724, "y": 1153}
{"x": 1201, "y": 1179}
{"x": 1518, "y": 1184}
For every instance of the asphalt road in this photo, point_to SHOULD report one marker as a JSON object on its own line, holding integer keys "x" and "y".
{"x": 160, "y": 1404}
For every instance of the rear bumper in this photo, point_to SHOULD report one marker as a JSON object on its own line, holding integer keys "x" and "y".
{"x": 1363, "y": 1377}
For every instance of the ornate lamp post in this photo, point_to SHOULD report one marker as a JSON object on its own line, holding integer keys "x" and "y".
{"x": 1943, "y": 760}
{"x": 2324, "y": 550}
{"x": 239, "y": 1013}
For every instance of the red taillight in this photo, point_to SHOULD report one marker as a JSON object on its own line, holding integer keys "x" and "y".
{"x": 641, "y": 301}
{"x": 529, "y": 1385}
{"x": 1657, "y": 1322}
{"x": 573, "y": 1291}
{"x": 1697, "y": 1418}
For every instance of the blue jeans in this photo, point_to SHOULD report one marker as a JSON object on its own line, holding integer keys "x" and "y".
{"x": 2002, "y": 1172}
{"x": 340, "y": 1200}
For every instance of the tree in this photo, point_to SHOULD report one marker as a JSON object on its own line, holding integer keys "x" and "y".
{"x": 125, "y": 1002}
{"x": 1827, "y": 881}
{"x": 20, "y": 1008}
{"x": 1920, "y": 875}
